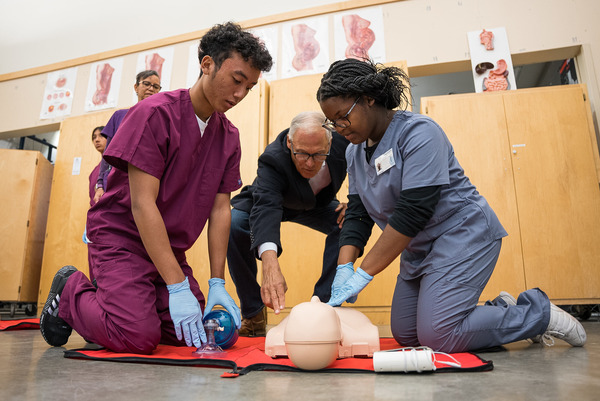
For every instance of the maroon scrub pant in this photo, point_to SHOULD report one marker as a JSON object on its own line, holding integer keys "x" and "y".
{"x": 129, "y": 311}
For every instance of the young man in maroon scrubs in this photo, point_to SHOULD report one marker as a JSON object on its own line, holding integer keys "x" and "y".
{"x": 176, "y": 159}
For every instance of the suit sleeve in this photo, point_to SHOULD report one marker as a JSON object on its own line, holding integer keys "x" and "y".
{"x": 267, "y": 210}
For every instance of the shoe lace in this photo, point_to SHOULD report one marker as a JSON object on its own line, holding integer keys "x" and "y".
{"x": 547, "y": 338}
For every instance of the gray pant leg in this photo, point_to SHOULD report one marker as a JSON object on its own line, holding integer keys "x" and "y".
{"x": 403, "y": 320}
{"x": 449, "y": 320}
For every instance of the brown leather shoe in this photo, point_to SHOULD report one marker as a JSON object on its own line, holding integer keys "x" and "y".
{"x": 256, "y": 326}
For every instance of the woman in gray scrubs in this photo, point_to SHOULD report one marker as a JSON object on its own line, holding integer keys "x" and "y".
{"x": 404, "y": 177}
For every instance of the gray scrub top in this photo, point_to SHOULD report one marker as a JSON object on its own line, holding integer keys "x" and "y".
{"x": 415, "y": 152}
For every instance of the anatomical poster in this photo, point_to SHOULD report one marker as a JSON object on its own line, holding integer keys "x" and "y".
{"x": 159, "y": 60}
{"x": 491, "y": 62}
{"x": 58, "y": 94}
{"x": 359, "y": 34}
{"x": 305, "y": 47}
{"x": 103, "y": 85}
{"x": 269, "y": 36}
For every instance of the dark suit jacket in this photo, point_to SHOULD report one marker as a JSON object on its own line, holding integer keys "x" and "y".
{"x": 279, "y": 190}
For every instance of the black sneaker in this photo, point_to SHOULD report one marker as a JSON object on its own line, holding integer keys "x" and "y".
{"x": 55, "y": 330}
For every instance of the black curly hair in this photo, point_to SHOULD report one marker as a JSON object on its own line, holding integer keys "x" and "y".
{"x": 222, "y": 39}
{"x": 352, "y": 78}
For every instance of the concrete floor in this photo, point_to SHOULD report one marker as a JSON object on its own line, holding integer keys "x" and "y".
{"x": 31, "y": 370}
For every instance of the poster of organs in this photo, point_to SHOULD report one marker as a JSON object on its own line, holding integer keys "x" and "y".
{"x": 491, "y": 62}
{"x": 359, "y": 35}
{"x": 305, "y": 47}
{"x": 159, "y": 60}
{"x": 103, "y": 85}
{"x": 58, "y": 93}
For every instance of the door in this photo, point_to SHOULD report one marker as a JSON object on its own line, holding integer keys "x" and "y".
{"x": 476, "y": 127}
{"x": 557, "y": 191}
{"x": 17, "y": 183}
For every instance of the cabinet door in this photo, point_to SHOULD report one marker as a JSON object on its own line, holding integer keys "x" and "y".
{"x": 557, "y": 190}
{"x": 17, "y": 183}
{"x": 38, "y": 216}
{"x": 476, "y": 127}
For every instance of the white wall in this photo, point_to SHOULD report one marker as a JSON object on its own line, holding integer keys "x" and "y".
{"x": 429, "y": 34}
{"x": 40, "y": 32}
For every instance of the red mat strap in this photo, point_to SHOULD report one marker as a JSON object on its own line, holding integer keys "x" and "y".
{"x": 20, "y": 324}
{"x": 248, "y": 355}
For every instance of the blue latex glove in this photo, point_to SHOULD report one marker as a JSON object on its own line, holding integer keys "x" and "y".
{"x": 351, "y": 287}
{"x": 84, "y": 237}
{"x": 217, "y": 295}
{"x": 342, "y": 274}
{"x": 186, "y": 314}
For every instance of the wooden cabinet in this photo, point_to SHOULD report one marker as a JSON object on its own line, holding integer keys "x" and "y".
{"x": 25, "y": 181}
{"x": 533, "y": 154}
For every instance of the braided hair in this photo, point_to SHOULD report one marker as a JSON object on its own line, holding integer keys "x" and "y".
{"x": 351, "y": 78}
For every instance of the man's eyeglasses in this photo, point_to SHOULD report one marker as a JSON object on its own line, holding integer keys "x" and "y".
{"x": 341, "y": 122}
{"x": 303, "y": 156}
{"x": 147, "y": 84}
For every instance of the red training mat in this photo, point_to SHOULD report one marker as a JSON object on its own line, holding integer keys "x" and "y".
{"x": 20, "y": 324}
{"x": 248, "y": 354}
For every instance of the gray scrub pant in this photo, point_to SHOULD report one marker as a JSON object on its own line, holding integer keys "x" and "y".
{"x": 439, "y": 308}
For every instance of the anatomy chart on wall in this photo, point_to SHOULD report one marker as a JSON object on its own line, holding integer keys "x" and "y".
{"x": 159, "y": 60}
{"x": 103, "y": 85}
{"x": 58, "y": 93}
{"x": 491, "y": 62}
{"x": 359, "y": 35}
{"x": 305, "y": 47}
{"x": 268, "y": 35}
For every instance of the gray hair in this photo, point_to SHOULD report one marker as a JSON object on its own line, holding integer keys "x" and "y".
{"x": 308, "y": 119}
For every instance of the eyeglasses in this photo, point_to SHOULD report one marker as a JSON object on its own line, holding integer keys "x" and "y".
{"x": 341, "y": 122}
{"x": 303, "y": 156}
{"x": 147, "y": 84}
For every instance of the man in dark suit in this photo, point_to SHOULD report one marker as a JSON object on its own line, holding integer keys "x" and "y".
{"x": 298, "y": 177}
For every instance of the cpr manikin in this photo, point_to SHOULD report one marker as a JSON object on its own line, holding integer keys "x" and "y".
{"x": 315, "y": 334}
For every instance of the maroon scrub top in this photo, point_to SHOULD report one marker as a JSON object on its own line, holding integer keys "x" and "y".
{"x": 160, "y": 136}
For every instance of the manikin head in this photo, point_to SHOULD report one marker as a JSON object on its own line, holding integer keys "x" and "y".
{"x": 312, "y": 335}
{"x": 309, "y": 143}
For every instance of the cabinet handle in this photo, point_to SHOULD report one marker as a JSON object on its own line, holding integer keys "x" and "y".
{"x": 519, "y": 145}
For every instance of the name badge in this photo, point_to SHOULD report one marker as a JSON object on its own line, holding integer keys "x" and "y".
{"x": 384, "y": 162}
